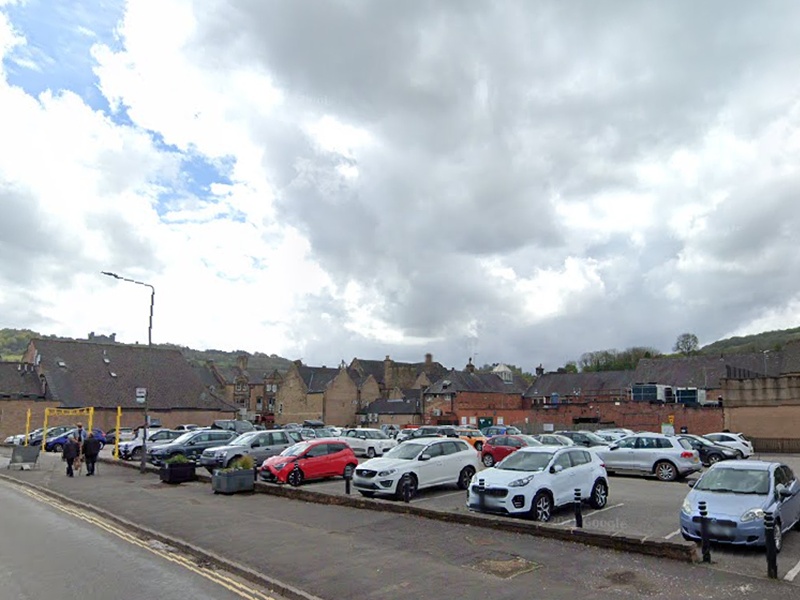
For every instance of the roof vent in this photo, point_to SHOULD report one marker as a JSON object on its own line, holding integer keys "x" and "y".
{"x": 106, "y": 360}
{"x": 112, "y": 373}
{"x": 62, "y": 364}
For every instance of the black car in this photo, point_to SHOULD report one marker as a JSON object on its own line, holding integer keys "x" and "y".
{"x": 710, "y": 452}
{"x": 191, "y": 445}
{"x": 588, "y": 439}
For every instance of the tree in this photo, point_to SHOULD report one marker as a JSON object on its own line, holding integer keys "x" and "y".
{"x": 687, "y": 344}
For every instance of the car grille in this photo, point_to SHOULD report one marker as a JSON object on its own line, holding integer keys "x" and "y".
{"x": 718, "y": 523}
{"x": 492, "y": 492}
{"x": 366, "y": 473}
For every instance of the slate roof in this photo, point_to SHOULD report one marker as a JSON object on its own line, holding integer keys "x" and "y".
{"x": 19, "y": 380}
{"x": 571, "y": 384}
{"x": 462, "y": 381}
{"x": 317, "y": 379}
{"x": 84, "y": 378}
{"x": 704, "y": 372}
{"x": 402, "y": 406}
{"x": 206, "y": 375}
{"x": 434, "y": 370}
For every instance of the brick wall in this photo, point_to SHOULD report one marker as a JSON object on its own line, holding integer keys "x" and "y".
{"x": 764, "y": 421}
{"x": 341, "y": 401}
{"x": 13, "y": 414}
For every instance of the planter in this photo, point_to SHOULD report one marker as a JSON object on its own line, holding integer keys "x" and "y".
{"x": 177, "y": 473}
{"x": 231, "y": 482}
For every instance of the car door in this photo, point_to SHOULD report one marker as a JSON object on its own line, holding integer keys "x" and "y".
{"x": 502, "y": 446}
{"x": 261, "y": 448}
{"x": 432, "y": 471}
{"x": 561, "y": 482}
{"x": 789, "y": 507}
{"x": 620, "y": 455}
{"x": 195, "y": 446}
{"x": 313, "y": 462}
{"x": 646, "y": 453}
{"x": 582, "y": 471}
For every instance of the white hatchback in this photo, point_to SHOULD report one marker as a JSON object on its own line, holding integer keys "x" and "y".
{"x": 743, "y": 446}
{"x": 535, "y": 480}
{"x": 425, "y": 462}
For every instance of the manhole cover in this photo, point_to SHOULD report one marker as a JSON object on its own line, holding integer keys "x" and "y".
{"x": 506, "y": 568}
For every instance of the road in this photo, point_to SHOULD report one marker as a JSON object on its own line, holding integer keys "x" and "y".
{"x": 46, "y": 552}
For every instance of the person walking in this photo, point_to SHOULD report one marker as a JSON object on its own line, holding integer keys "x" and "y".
{"x": 80, "y": 434}
{"x": 70, "y": 453}
{"x": 91, "y": 448}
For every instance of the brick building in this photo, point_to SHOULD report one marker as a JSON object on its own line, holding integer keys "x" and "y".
{"x": 390, "y": 374}
{"x": 402, "y": 407}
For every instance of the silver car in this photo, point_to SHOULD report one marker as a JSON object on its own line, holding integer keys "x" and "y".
{"x": 665, "y": 456}
{"x": 258, "y": 444}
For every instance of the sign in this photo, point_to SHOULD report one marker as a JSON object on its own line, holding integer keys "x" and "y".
{"x": 667, "y": 429}
{"x": 671, "y": 419}
{"x": 141, "y": 395}
{"x": 548, "y": 427}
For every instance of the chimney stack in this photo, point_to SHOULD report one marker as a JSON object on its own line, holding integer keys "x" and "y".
{"x": 429, "y": 358}
{"x": 539, "y": 371}
{"x": 470, "y": 368}
{"x": 241, "y": 362}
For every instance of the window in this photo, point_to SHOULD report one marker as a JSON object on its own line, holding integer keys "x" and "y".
{"x": 219, "y": 435}
{"x": 563, "y": 460}
{"x": 664, "y": 443}
{"x": 319, "y": 450}
{"x": 435, "y": 450}
{"x": 280, "y": 408}
{"x": 337, "y": 447}
{"x": 277, "y": 438}
{"x": 647, "y": 443}
{"x": 627, "y": 443}
{"x": 579, "y": 457}
{"x": 514, "y": 442}
{"x": 450, "y": 448}
{"x": 688, "y": 445}
{"x": 271, "y": 405}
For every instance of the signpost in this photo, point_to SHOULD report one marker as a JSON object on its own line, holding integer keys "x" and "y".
{"x": 141, "y": 395}
{"x": 141, "y": 398}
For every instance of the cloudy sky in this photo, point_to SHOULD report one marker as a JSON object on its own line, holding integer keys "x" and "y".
{"x": 515, "y": 181}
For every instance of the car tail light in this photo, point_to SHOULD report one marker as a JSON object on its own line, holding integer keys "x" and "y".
{"x": 687, "y": 454}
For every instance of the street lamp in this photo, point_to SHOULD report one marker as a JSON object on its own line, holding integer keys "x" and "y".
{"x": 143, "y": 465}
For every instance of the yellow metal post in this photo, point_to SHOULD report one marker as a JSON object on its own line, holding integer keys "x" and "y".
{"x": 116, "y": 437}
{"x": 91, "y": 418}
{"x": 27, "y": 426}
{"x": 44, "y": 431}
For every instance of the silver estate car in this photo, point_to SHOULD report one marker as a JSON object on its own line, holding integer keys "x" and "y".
{"x": 665, "y": 456}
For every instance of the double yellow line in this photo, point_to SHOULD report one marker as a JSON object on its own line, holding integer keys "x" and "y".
{"x": 237, "y": 587}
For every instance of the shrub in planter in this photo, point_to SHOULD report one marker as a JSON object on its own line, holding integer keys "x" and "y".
{"x": 240, "y": 476}
{"x": 177, "y": 469}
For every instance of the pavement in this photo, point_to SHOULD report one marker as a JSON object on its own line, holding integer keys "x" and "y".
{"x": 337, "y": 552}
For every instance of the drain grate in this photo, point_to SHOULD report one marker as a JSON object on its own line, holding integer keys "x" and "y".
{"x": 507, "y": 568}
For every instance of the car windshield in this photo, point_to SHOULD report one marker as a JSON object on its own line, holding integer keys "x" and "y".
{"x": 405, "y": 451}
{"x": 182, "y": 439}
{"x": 324, "y": 432}
{"x": 530, "y": 440}
{"x": 701, "y": 440}
{"x": 593, "y": 437}
{"x": 735, "y": 481}
{"x": 244, "y": 439}
{"x": 295, "y": 450}
{"x": 525, "y": 461}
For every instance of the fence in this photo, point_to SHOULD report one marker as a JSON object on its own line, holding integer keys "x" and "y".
{"x": 776, "y": 445}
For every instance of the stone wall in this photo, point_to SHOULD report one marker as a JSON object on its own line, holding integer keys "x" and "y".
{"x": 341, "y": 401}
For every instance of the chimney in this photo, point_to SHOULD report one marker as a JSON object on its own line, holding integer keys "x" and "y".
{"x": 298, "y": 363}
{"x": 241, "y": 362}
{"x": 113, "y": 337}
{"x": 429, "y": 359}
{"x": 388, "y": 380}
{"x": 43, "y": 384}
{"x": 539, "y": 371}
{"x": 470, "y": 368}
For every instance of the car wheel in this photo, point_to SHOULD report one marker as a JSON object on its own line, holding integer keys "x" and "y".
{"x": 412, "y": 487}
{"x": 295, "y": 477}
{"x": 465, "y": 477}
{"x": 542, "y": 508}
{"x": 488, "y": 460}
{"x": 136, "y": 454}
{"x": 57, "y": 448}
{"x": 478, "y": 446}
{"x": 714, "y": 458}
{"x": 366, "y": 494}
{"x": 599, "y": 497}
{"x": 777, "y": 535}
{"x": 739, "y": 455}
{"x": 665, "y": 471}
{"x": 370, "y": 452}
{"x": 348, "y": 471}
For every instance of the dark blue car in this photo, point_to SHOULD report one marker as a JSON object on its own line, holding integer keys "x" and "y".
{"x": 56, "y": 444}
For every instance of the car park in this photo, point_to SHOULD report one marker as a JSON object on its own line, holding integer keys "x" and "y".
{"x": 367, "y": 442}
{"x": 666, "y": 456}
{"x": 235, "y": 425}
{"x": 473, "y": 437}
{"x": 536, "y": 480}
{"x": 187, "y": 427}
{"x": 405, "y": 434}
{"x": 710, "y": 452}
{"x": 427, "y": 431}
{"x": 620, "y": 432}
{"x": 125, "y": 434}
{"x": 553, "y": 439}
{"x": 305, "y": 461}
{"x": 585, "y": 438}
{"x": 422, "y": 463}
{"x": 738, "y": 495}
{"x": 36, "y": 438}
{"x": 260, "y": 445}
{"x": 500, "y": 430}
{"x": 390, "y": 429}
{"x": 737, "y": 441}
{"x": 132, "y": 449}
{"x": 56, "y": 443}
{"x": 190, "y": 445}
{"x": 498, "y": 447}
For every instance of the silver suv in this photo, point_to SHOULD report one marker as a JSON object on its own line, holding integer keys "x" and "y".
{"x": 665, "y": 456}
{"x": 258, "y": 444}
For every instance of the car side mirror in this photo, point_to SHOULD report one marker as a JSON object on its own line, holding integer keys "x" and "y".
{"x": 425, "y": 457}
{"x": 691, "y": 483}
{"x": 784, "y": 493}
{"x": 191, "y": 443}
{"x": 556, "y": 469}
{"x": 613, "y": 447}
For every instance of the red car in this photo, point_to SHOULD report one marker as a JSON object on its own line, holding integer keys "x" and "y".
{"x": 312, "y": 459}
{"x": 498, "y": 447}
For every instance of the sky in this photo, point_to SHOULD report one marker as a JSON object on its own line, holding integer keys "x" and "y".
{"x": 513, "y": 182}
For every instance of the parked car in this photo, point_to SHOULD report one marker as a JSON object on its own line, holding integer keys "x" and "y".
{"x": 553, "y": 439}
{"x": 367, "y": 442}
{"x": 588, "y": 439}
{"x": 535, "y": 480}
{"x": 665, "y": 456}
{"x": 737, "y": 441}
{"x": 500, "y": 430}
{"x": 314, "y": 459}
{"x": 56, "y": 443}
{"x": 191, "y": 445}
{"x": 498, "y": 447}
{"x": 316, "y": 433}
{"x": 474, "y": 437}
{"x": 187, "y": 427}
{"x": 620, "y": 431}
{"x": 710, "y": 452}
{"x": 405, "y": 434}
{"x": 738, "y": 494}
{"x": 36, "y": 437}
{"x": 610, "y": 436}
{"x": 132, "y": 449}
{"x": 235, "y": 425}
{"x": 427, "y": 431}
{"x": 390, "y": 429}
{"x": 125, "y": 434}
{"x": 258, "y": 444}
{"x": 426, "y": 462}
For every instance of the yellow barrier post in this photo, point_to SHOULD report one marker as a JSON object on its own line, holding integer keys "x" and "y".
{"x": 27, "y": 426}
{"x": 44, "y": 431}
{"x": 116, "y": 437}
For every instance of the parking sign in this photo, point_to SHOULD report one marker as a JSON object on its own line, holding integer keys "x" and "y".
{"x": 141, "y": 395}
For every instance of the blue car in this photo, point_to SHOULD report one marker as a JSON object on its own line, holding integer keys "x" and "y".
{"x": 737, "y": 495}
{"x": 56, "y": 444}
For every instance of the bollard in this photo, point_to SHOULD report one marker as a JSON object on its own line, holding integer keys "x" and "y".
{"x": 347, "y": 477}
{"x": 769, "y": 542}
{"x": 578, "y": 514}
{"x": 705, "y": 544}
{"x": 481, "y": 494}
{"x": 406, "y": 489}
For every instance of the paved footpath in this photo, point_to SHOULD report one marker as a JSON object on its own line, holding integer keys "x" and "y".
{"x": 337, "y": 552}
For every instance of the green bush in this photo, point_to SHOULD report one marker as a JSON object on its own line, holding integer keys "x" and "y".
{"x": 243, "y": 463}
{"x": 178, "y": 459}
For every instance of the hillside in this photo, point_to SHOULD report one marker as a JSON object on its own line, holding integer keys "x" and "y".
{"x": 768, "y": 340}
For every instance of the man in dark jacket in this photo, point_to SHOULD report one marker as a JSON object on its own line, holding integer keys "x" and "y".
{"x": 91, "y": 448}
{"x": 71, "y": 451}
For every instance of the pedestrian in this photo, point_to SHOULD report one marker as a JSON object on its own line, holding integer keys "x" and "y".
{"x": 70, "y": 453}
{"x": 91, "y": 448}
{"x": 80, "y": 434}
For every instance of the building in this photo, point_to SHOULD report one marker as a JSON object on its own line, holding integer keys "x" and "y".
{"x": 251, "y": 385}
{"x": 317, "y": 393}
{"x": 21, "y": 390}
{"x": 390, "y": 374}
{"x": 402, "y": 407}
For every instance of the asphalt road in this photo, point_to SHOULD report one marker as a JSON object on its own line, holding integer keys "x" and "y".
{"x": 48, "y": 553}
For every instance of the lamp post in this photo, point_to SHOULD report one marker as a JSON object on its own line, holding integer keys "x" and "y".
{"x": 143, "y": 464}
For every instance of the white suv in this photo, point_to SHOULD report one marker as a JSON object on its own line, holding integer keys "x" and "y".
{"x": 665, "y": 456}
{"x": 427, "y": 462}
{"x": 534, "y": 480}
{"x": 367, "y": 442}
{"x": 736, "y": 441}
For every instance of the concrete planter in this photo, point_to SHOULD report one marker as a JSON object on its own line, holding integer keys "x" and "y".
{"x": 177, "y": 473}
{"x": 231, "y": 482}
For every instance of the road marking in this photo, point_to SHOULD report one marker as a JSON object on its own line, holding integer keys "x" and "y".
{"x": 461, "y": 493}
{"x": 672, "y": 535}
{"x": 793, "y": 573}
{"x": 230, "y": 584}
{"x": 591, "y": 514}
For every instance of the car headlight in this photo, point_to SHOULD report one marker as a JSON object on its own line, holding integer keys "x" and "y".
{"x": 279, "y": 466}
{"x": 521, "y": 482}
{"x": 687, "y": 507}
{"x": 387, "y": 472}
{"x": 752, "y": 515}
{"x": 220, "y": 453}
